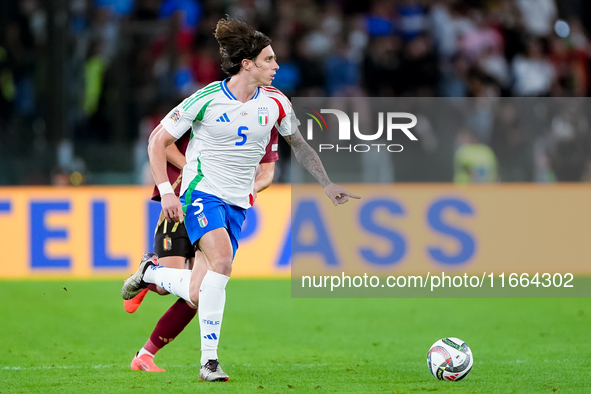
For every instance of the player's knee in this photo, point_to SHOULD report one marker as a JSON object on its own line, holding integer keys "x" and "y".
{"x": 223, "y": 266}
{"x": 191, "y": 305}
{"x": 194, "y": 298}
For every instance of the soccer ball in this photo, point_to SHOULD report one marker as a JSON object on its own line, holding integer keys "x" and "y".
{"x": 450, "y": 359}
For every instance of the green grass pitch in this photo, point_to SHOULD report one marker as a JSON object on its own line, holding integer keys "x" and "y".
{"x": 75, "y": 337}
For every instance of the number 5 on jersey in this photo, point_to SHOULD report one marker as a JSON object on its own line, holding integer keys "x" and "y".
{"x": 240, "y": 134}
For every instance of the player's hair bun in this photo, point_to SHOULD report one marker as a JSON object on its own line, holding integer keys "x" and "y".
{"x": 238, "y": 41}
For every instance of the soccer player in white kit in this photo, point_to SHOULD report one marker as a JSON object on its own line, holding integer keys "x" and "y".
{"x": 231, "y": 123}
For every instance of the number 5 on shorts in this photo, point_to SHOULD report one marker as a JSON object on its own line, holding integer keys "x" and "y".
{"x": 198, "y": 205}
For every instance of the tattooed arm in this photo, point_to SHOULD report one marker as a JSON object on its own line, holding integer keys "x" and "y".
{"x": 307, "y": 157}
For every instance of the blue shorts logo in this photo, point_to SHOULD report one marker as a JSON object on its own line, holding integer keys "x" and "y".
{"x": 202, "y": 220}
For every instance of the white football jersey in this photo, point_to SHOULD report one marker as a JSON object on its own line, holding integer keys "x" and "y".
{"x": 228, "y": 138}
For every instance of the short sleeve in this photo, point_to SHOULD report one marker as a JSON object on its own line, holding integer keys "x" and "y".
{"x": 178, "y": 121}
{"x": 192, "y": 109}
{"x": 287, "y": 122}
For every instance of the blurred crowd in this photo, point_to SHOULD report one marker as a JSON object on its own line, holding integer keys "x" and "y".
{"x": 125, "y": 63}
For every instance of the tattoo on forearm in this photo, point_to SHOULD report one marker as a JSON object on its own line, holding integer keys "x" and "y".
{"x": 307, "y": 157}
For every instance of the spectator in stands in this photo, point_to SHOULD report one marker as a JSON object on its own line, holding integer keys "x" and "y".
{"x": 538, "y": 16}
{"x": 474, "y": 162}
{"x": 418, "y": 72}
{"x": 382, "y": 65}
{"x": 412, "y": 20}
{"x": 389, "y": 48}
{"x": 343, "y": 73}
{"x": 569, "y": 144}
{"x": 512, "y": 145}
{"x": 380, "y": 20}
{"x": 533, "y": 74}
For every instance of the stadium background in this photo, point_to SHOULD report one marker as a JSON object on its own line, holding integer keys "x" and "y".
{"x": 82, "y": 84}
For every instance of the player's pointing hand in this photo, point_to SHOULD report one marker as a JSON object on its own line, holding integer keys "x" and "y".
{"x": 338, "y": 194}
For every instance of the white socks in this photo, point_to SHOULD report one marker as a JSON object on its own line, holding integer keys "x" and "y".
{"x": 175, "y": 281}
{"x": 144, "y": 351}
{"x": 212, "y": 299}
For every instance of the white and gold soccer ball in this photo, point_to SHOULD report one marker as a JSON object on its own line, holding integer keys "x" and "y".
{"x": 450, "y": 359}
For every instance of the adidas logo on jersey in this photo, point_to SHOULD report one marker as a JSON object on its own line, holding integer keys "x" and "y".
{"x": 223, "y": 118}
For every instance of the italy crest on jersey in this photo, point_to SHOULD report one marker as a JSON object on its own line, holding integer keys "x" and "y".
{"x": 263, "y": 116}
{"x": 202, "y": 220}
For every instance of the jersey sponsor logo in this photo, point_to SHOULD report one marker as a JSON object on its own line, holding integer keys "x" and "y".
{"x": 175, "y": 117}
{"x": 243, "y": 113}
{"x": 263, "y": 116}
{"x": 202, "y": 220}
{"x": 223, "y": 118}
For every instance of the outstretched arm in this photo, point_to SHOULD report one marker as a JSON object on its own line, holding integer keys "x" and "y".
{"x": 307, "y": 157}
